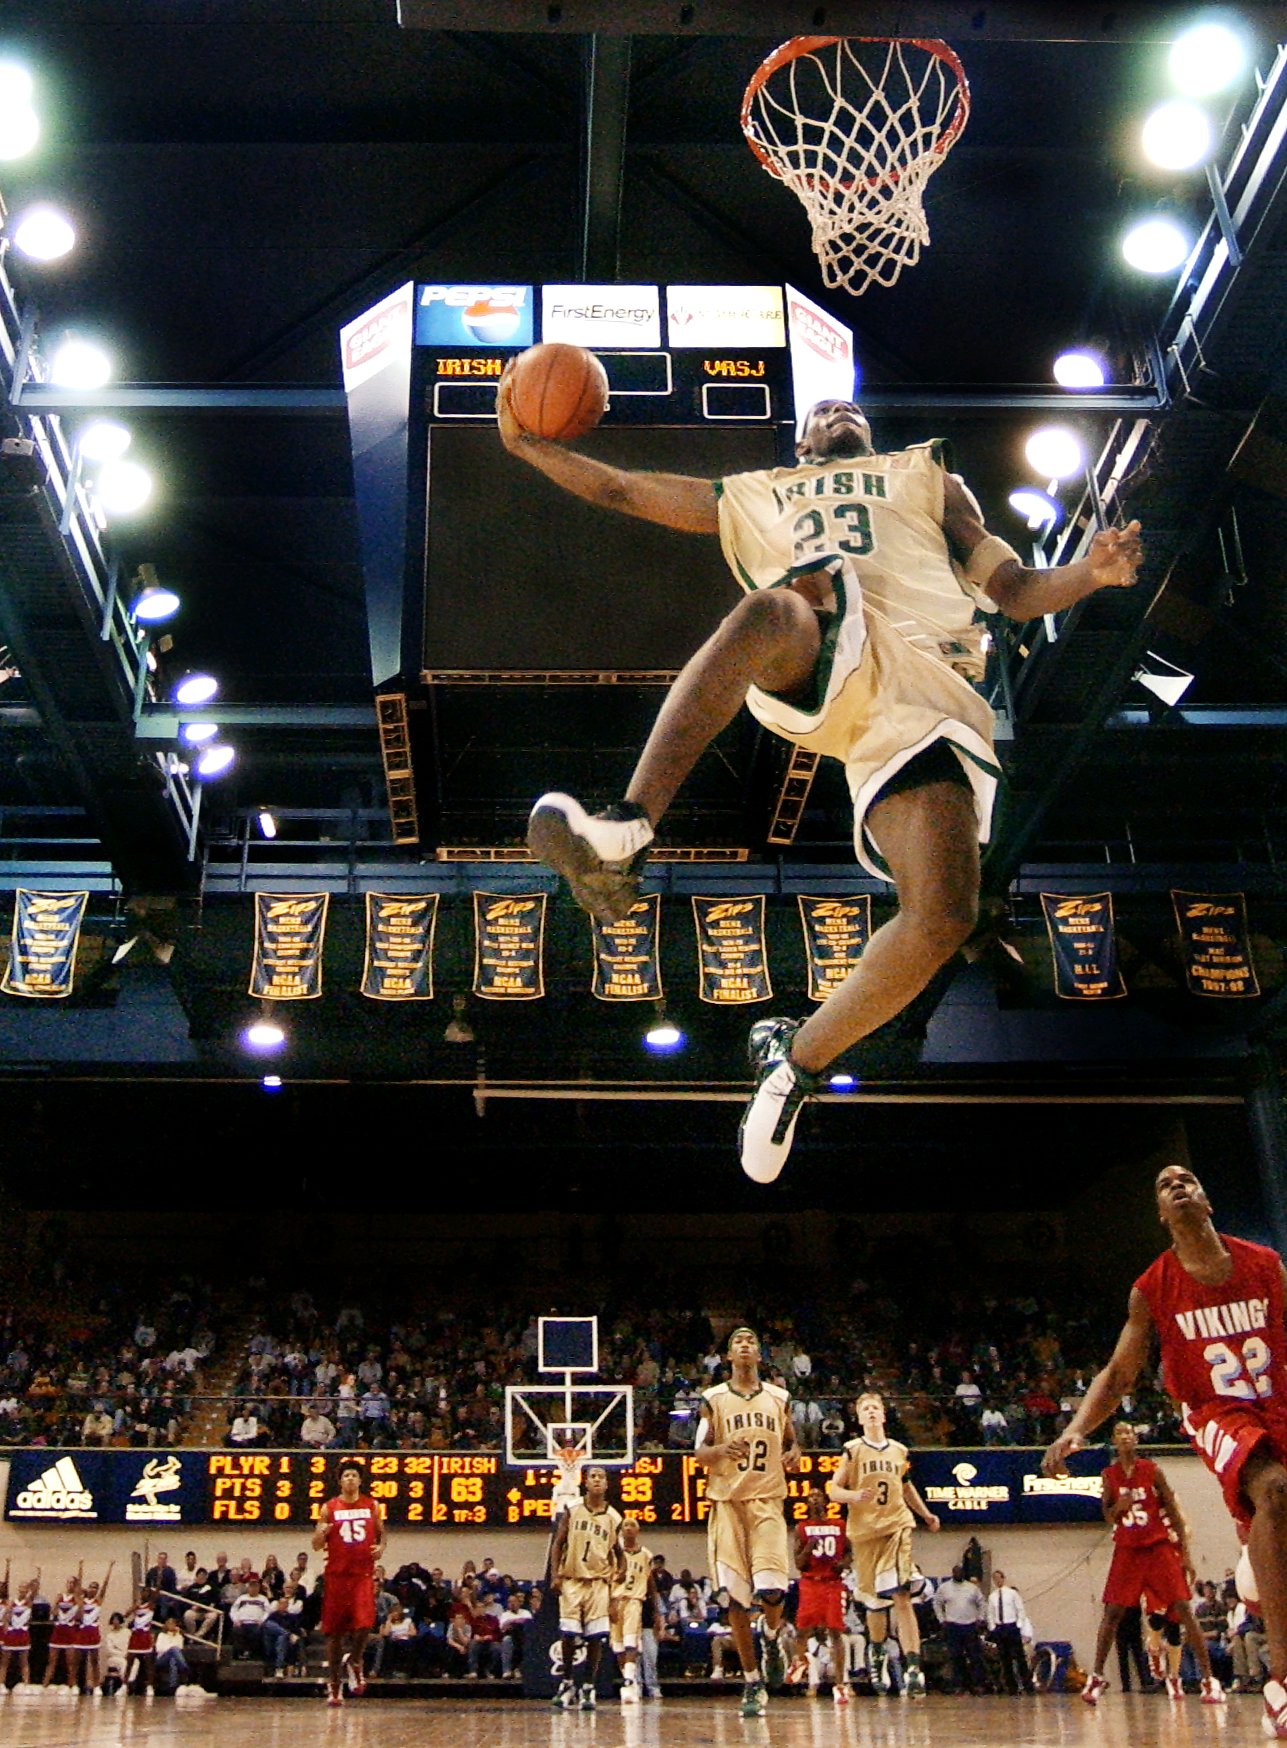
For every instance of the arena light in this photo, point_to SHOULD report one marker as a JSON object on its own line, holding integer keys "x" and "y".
{"x": 271, "y": 1083}
{"x": 19, "y": 123}
{"x": 1155, "y": 245}
{"x": 1055, "y": 452}
{"x": 103, "y": 440}
{"x": 195, "y": 734}
{"x": 15, "y": 85}
{"x": 663, "y": 1036}
{"x": 80, "y": 364}
{"x": 267, "y": 821}
{"x": 1079, "y": 369}
{"x": 1205, "y": 59}
{"x": 154, "y": 604}
{"x": 123, "y": 487}
{"x": 42, "y": 233}
{"x": 215, "y": 760}
{"x": 1162, "y": 678}
{"x": 193, "y": 689}
{"x": 263, "y": 1035}
{"x": 1177, "y": 135}
{"x": 842, "y": 1082}
{"x": 1038, "y": 508}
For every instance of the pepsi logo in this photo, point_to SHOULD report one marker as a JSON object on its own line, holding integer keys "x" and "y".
{"x": 490, "y": 321}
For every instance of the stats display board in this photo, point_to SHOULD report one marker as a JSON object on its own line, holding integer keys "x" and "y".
{"x": 421, "y": 1489}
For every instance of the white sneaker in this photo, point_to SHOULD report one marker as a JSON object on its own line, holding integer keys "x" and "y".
{"x": 768, "y": 1123}
{"x": 1274, "y": 1721}
{"x": 1212, "y": 1692}
{"x": 565, "y": 1696}
{"x": 630, "y": 1693}
{"x": 598, "y": 854}
{"x": 1093, "y": 1688}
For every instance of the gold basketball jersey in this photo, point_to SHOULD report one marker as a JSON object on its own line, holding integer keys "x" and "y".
{"x": 592, "y": 1535}
{"x": 760, "y": 1419}
{"x": 882, "y": 1468}
{"x": 883, "y": 514}
{"x": 633, "y": 1582}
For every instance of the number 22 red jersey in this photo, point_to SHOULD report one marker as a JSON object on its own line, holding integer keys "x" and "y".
{"x": 825, "y": 1538}
{"x": 1222, "y": 1345}
{"x": 1144, "y": 1523}
{"x": 351, "y": 1535}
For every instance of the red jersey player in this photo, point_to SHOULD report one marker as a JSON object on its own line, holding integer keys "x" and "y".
{"x": 1216, "y": 1304}
{"x": 1148, "y": 1567}
{"x": 351, "y": 1531}
{"x": 821, "y": 1555}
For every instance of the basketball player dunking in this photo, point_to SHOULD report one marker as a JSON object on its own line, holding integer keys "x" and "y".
{"x": 350, "y": 1530}
{"x": 746, "y": 1442}
{"x": 1148, "y": 1567}
{"x": 873, "y": 1480}
{"x": 1216, "y": 1306}
{"x": 821, "y": 1555}
{"x": 857, "y": 638}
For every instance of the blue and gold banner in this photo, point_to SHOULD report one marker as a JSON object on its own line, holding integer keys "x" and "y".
{"x": 731, "y": 958}
{"x": 836, "y": 931}
{"x": 42, "y": 946}
{"x": 1083, "y": 940}
{"x": 627, "y": 962}
{"x": 1215, "y": 943}
{"x": 509, "y": 946}
{"x": 290, "y": 930}
{"x": 399, "y": 946}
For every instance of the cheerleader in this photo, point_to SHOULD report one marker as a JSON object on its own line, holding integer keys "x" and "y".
{"x": 91, "y": 1628}
{"x": 64, "y": 1640}
{"x": 15, "y": 1629}
{"x": 141, "y": 1672}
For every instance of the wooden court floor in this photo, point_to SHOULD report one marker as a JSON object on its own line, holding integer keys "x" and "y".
{"x": 1048, "y": 1721}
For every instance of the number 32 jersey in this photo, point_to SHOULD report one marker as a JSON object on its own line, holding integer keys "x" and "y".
{"x": 1222, "y": 1346}
{"x": 760, "y": 1420}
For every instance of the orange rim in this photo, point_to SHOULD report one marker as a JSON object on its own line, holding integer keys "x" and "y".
{"x": 795, "y": 46}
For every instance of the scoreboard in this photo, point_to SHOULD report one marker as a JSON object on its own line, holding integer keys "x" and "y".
{"x": 427, "y": 1490}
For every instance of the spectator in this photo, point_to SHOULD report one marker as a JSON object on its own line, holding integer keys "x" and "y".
{"x": 316, "y": 1430}
{"x": 394, "y": 1646}
{"x": 97, "y": 1426}
{"x": 483, "y": 1655}
{"x": 245, "y": 1428}
{"x": 1247, "y": 1650}
{"x": 201, "y": 1611}
{"x": 115, "y": 1654}
{"x": 961, "y": 1610}
{"x": 273, "y": 1578}
{"x": 1010, "y": 1631}
{"x": 170, "y": 1669}
{"x": 161, "y": 1579}
{"x": 514, "y": 1620}
{"x": 283, "y": 1637}
{"x": 994, "y": 1427}
{"x": 246, "y": 1617}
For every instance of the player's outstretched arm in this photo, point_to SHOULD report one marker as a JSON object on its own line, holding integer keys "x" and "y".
{"x": 673, "y": 499}
{"x": 918, "y": 1508}
{"x": 323, "y": 1524}
{"x": 1107, "y": 1387}
{"x": 1111, "y": 562}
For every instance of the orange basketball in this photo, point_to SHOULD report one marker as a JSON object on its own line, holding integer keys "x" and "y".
{"x": 558, "y": 391}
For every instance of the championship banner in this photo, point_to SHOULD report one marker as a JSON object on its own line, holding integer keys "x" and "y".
{"x": 399, "y": 947}
{"x": 627, "y": 954}
{"x": 289, "y": 932}
{"x": 1214, "y": 942}
{"x": 1084, "y": 943}
{"x": 730, "y": 949}
{"x": 509, "y": 946}
{"x": 836, "y": 931}
{"x": 42, "y": 946}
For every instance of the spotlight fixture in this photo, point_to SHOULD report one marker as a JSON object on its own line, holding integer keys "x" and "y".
{"x": 103, "y": 440}
{"x": 123, "y": 487}
{"x": 216, "y": 759}
{"x": 79, "y": 364}
{"x": 42, "y": 233}
{"x": 1155, "y": 245}
{"x": 1055, "y": 452}
{"x": 842, "y": 1082}
{"x": 1176, "y": 135}
{"x": 195, "y": 734}
{"x": 267, "y": 822}
{"x": 663, "y": 1035}
{"x": 1079, "y": 369}
{"x": 1206, "y": 59}
{"x": 192, "y": 688}
{"x": 1038, "y": 509}
{"x": 19, "y": 123}
{"x": 154, "y": 602}
{"x": 271, "y": 1083}
{"x": 263, "y": 1035}
{"x": 459, "y": 1030}
{"x": 1162, "y": 678}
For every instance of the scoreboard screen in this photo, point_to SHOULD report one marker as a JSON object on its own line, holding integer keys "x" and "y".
{"x": 424, "y": 1490}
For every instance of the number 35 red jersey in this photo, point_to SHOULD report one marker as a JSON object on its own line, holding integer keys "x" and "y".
{"x": 1143, "y": 1524}
{"x": 351, "y": 1536}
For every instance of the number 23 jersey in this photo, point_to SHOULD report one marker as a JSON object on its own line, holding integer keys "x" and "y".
{"x": 760, "y": 1420}
{"x": 1222, "y": 1345}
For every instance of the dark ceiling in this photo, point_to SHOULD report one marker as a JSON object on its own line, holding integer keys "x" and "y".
{"x": 247, "y": 178}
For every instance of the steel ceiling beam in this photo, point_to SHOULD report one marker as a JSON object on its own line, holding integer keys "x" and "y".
{"x": 607, "y": 96}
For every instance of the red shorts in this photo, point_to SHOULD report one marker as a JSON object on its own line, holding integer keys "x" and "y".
{"x": 1154, "y": 1573}
{"x": 821, "y": 1603}
{"x": 141, "y": 1644}
{"x": 348, "y": 1603}
{"x": 1225, "y": 1436}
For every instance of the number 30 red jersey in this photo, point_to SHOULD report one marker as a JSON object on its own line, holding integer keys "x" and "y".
{"x": 351, "y": 1536}
{"x": 825, "y": 1538}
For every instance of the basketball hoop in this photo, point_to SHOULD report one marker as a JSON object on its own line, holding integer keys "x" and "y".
{"x": 856, "y": 126}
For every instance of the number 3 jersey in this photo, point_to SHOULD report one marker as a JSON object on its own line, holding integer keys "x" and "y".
{"x": 882, "y": 1469}
{"x": 1222, "y": 1346}
{"x": 759, "y": 1420}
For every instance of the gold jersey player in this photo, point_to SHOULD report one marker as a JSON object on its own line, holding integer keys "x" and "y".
{"x": 633, "y": 1585}
{"x": 746, "y": 1443}
{"x": 873, "y": 1480}
{"x": 584, "y": 1560}
{"x": 856, "y": 639}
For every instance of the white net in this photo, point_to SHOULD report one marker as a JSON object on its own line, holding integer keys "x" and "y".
{"x": 856, "y": 126}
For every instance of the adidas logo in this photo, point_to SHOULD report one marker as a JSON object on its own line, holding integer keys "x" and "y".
{"x": 59, "y": 1492}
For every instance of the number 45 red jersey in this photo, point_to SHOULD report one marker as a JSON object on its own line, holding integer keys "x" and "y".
{"x": 351, "y": 1535}
{"x": 1222, "y": 1346}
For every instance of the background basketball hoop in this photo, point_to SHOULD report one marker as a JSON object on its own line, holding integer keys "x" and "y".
{"x": 856, "y": 126}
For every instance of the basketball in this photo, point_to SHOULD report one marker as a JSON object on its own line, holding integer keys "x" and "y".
{"x": 558, "y": 391}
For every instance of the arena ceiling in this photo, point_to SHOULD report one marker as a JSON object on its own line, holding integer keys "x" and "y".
{"x": 248, "y": 178}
